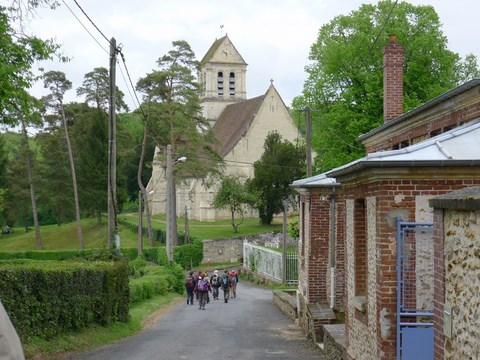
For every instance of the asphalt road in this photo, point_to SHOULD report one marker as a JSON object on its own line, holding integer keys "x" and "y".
{"x": 248, "y": 327}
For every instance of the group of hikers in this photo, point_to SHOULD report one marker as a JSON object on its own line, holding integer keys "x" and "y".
{"x": 199, "y": 285}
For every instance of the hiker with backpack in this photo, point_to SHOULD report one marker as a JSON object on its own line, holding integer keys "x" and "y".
{"x": 196, "y": 276}
{"x": 215, "y": 282}
{"x": 190, "y": 287}
{"x": 225, "y": 283}
{"x": 202, "y": 289}
{"x": 233, "y": 283}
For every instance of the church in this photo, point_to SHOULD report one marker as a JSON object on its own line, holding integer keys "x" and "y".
{"x": 239, "y": 124}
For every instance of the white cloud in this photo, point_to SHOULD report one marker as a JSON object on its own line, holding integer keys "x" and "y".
{"x": 273, "y": 36}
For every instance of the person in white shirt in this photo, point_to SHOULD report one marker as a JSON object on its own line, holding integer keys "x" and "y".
{"x": 10, "y": 345}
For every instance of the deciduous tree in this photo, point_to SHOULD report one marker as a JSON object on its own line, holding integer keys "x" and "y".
{"x": 345, "y": 77}
{"x": 281, "y": 163}
{"x": 18, "y": 53}
{"x": 233, "y": 195}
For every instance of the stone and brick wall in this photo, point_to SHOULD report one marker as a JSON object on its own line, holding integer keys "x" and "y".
{"x": 457, "y": 274}
{"x": 223, "y": 250}
{"x": 315, "y": 256}
{"x": 371, "y": 333}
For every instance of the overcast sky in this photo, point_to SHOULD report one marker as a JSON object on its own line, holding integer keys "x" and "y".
{"x": 273, "y": 36}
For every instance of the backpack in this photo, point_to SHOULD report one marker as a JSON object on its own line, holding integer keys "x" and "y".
{"x": 215, "y": 280}
{"x": 189, "y": 283}
{"x": 202, "y": 285}
{"x": 225, "y": 281}
{"x": 234, "y": 276}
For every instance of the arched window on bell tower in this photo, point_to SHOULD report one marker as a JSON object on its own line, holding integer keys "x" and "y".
{"x": 231, "y": 81}
{"x": 220, "y": 83}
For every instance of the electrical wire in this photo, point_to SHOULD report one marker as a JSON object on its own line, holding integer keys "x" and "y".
{"x": 129, "y": 83}
{"x": 91, "y": 21}
{"x": 384, "y": 25}
{"x": 76, "y": 17}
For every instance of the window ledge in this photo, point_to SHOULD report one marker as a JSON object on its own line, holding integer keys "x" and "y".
{"x": 360, "y": 303}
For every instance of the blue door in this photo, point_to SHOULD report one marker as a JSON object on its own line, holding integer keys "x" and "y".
{"x": 414, "y": 321}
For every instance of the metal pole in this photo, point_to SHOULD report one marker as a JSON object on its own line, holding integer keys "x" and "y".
{"x": 112, "y": 168}
{"x": 168, "y": 210}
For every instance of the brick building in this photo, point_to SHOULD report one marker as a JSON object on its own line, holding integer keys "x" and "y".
{"x": 348, "y": 216}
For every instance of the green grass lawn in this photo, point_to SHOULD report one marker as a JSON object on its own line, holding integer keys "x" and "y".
{"x": 64, "y": 237}
{"x": 212, "y": 229}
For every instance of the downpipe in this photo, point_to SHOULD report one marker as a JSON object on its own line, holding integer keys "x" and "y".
{"x": 332, "y": 248}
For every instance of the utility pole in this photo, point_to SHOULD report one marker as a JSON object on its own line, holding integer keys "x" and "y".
{"x": 308, "y": 138}
{"x": 168, "y": 205}
{"x": 113, "y": 238}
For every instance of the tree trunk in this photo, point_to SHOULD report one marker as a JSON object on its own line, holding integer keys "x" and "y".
{"x": 74, "y": 181}
{"x": 173, "y": 204}
{"x": 140, "y": 225}
{"x": 38, "y": 238}
{"x": 186, "y": 239}
{"x": 143, "y": 194}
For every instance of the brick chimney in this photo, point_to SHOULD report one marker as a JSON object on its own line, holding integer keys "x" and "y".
{"x": 392, "y": 79}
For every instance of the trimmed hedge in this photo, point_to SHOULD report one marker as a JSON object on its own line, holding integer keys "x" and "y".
{"x": 189, "y": 255}
{"x": 46, "y": 298}
{"x": 156, "y": 280}
{"x": 182, "y": 254}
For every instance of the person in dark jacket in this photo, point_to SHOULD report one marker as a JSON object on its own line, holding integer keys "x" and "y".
{"x": 225, "y": 283}
{"x": 216, "y": 283}
{"x": 190, "y": 287}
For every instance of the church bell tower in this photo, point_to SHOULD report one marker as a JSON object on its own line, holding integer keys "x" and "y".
{"x": 222, "y": 77}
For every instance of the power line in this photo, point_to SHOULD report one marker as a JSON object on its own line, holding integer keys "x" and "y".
{"x": 384, "y": 25}
{"x": 76, "y": 17}
{"x": 91, "y": 21}
{"x": 131, "y": 83}
{"x": 128, "y": 83}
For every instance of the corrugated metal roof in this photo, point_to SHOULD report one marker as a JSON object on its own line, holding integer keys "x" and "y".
{"x": 315, "y": 181}
{"x": 460, "y": 144}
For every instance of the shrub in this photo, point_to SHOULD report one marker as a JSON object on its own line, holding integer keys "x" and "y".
{"x": 136, "y": 266}
{"x": 157, "y": 280}
{"x": 45, "y": 298}
{"x": 189, "y": 255}
{"x": 162, "y": 258}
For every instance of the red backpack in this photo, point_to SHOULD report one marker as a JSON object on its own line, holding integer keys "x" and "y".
{"x": 189, "y": 282}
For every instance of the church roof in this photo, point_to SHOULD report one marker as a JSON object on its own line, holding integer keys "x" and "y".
{"x": 234, "y": 122}
{"x": 216, "y": 44}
